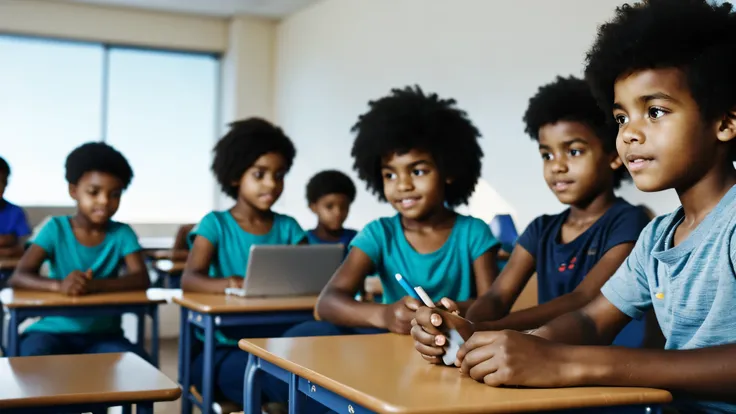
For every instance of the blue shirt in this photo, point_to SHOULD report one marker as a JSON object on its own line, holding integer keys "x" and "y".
{"x": 561, "y": 267}
{"x": 13, "y": 220}
{"x": 65, "y": 254}
{"x": 345, "y": 238}
{"x": 232, "y": 247}
{"x": 446, "y": 272}
{"x": 692, "y": 286}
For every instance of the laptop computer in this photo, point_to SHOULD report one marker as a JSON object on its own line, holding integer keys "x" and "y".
{"x": 289, "y": 270}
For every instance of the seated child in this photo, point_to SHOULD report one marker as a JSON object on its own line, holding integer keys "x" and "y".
{"x": 420, "y": 153}
{"x": 13, "y": 223}
{"x": 329, "y": 194}
{"x": 86, "y": 253}
{"x": 250, "y": 164}
{"x": 573, "y": 252}
{"x": 664, "y": 70}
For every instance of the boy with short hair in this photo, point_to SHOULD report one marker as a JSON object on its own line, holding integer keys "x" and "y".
{"x": 85, "y": 252}
{"x": 330, "y": 194}
{"x": 13, "y": 223}
{"x": 665, "y": 70}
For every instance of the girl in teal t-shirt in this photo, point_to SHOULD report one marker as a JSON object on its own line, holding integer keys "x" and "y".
{"x": 250, "y": 163}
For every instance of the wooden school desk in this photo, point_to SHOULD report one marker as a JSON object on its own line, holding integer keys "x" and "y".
{"x": 7, "y": 265}
{"x": 383, "y": 373}
{"x": 24, "y": 304}
{"x": 209, "y": 312}
{"x": 81, "y": 383}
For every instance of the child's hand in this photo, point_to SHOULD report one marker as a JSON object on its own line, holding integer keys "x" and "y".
{"x": 397, "y": 316}
{"x": 449, "y": 305}
{"x": 235, "y": 282}
{"x": 75, "y": 283}
{"x": 428, "y": 340}
{"x": 499, "y": 358}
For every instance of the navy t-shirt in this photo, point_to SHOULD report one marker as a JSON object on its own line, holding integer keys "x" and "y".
{"x": 561, "y": 267}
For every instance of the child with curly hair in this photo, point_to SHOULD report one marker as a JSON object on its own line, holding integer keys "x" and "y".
{"x": 329, "y": 195}
{"x": 664, "y": 69}
{"x": 85, "y": 253}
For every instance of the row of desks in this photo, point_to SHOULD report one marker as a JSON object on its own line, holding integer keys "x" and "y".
{"x": 354, "y": 374}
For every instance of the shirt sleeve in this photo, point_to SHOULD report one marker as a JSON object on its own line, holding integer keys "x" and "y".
{"x": 21, "y": 226}
{"x": 207, "y": 228}
{"x": 625, "y": 227}
{"x": 628, "y": 288}
{"x": 368, "y": 240}
{"x": 48, "y": 237}
{"x": 295, "y": 233}
{"x": 529, "y": 239}
{"x": 481, "y": 238}
{"x": 128, "y": 240}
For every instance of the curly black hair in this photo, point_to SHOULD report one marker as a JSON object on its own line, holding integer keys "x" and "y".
{"x": 4, "y": 167}
{"x": 570, "y": 99}
{"x": 693, "y": 35}
{"x": 97, "y": 156}
{"x": 330, "y": 182}
{"x": 409, "y": 119}
{"x": 239, "y": 149}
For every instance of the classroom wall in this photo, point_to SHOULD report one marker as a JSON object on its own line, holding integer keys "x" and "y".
{"x": 490, "y": 55}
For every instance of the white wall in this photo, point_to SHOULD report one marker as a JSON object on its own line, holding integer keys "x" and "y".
{"x": 490, "y": 55}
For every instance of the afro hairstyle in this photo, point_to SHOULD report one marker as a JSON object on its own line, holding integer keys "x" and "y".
{"x": 246, "y": 141}
{"x": 330, "y": 182}
{"x": 409, "y": 119}
{"x": 570, "y": 99}
{"x": 693, "y": 35}
{"x": 4, "y": 167}
{"x": 100, "y": 157}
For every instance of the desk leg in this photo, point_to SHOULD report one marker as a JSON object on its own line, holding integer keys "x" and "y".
{"x": 154, "y": 335}
{"x": 295, "y": 397}
{"x": 185, "y": 359}
{"x": 252, "y": 388}
{"x": 208, "y": 378}
{"x": 128, "y": 409}
{"x": 3, "y": 335}
{"x": 144, "y": 408}
{"x": 13, "y": 334}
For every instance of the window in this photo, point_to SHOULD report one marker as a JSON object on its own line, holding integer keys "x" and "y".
{"x": 159, "y": 108}
{"x": 161, "y": 115}
{"x": 49, "y": 104}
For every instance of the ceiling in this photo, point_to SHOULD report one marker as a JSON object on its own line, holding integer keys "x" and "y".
{"x": 274, "y": 9}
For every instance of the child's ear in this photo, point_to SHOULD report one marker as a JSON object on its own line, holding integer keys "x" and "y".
{"x": 616, "y": 162}
{"x": 313, "y": 207}
{"x": 727, "y": 126}
{"x": 73, "y": 191}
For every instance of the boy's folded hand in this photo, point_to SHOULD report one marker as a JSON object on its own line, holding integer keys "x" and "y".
{"x": 398, "y": 315}
{"x": 75, "y": 283}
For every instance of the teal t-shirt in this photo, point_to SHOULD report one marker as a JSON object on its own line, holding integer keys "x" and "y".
{"x": 66, "y": 254}
{"x": 232, "y": 246}
{"x": 446, "y": 272}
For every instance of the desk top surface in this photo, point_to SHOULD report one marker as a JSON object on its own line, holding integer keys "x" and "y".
{"x": 33, "y": 299}
{"x": 42, "y": 381}
{"x": 213, "y": 303}
{"x": 385, "y": 374}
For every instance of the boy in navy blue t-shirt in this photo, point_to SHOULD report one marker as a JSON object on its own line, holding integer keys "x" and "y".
{"x": 13, "y": 223}
{"x": 573, "y": 252}
{"x": 330, "y": 194}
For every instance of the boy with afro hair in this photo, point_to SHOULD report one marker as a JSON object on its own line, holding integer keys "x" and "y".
{"x": 664, "y": 69}
{"x": 250, "y": 164}
{"x": 573, "y": 252}
{"x": 85, "y": 252}
{"x": 329, "y": 195}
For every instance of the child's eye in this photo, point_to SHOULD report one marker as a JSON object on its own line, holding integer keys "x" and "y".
{"x": 389, "y": 176}
{"x": 656, "y": 113}
{"x": 259, "y": 174}
{"x": 576, "y": 152}
{"x": 280, "y": 175}
{"x": 546, "y": 156}
{"x": 419, "y": 173}
{"x": 621, "y": 119}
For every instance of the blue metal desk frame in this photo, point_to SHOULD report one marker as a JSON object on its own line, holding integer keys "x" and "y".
{"x": 300, "y": 388}
{"x": 100, "y": 408}
{"x": 209, "y": 322}
{"x": 18, "y": 315}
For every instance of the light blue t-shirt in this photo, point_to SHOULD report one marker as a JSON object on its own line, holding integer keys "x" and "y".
{"x": 232, "y": 247}
{"x": 692, "y": 286}
{"x": 446, "y": 272}
{"x": 66, "y": 254}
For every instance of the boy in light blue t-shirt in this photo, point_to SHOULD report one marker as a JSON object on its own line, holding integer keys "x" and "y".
{"x": 86, "y": 253}
{"x": 250, "y": 163}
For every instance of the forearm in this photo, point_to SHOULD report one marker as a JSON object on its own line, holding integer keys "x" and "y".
{"x": 342, "y": 309}
{"x": 124, "y": 283}
{"x": 538, "y": 315}
{"x": 23, "y": 280}
{"x": 488, "y": 307}
{"x": 464, "y": 306}
{"x": 706, "y": 372}
{"x": 574, "y": 328}
{"x": 202, "y": 283}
